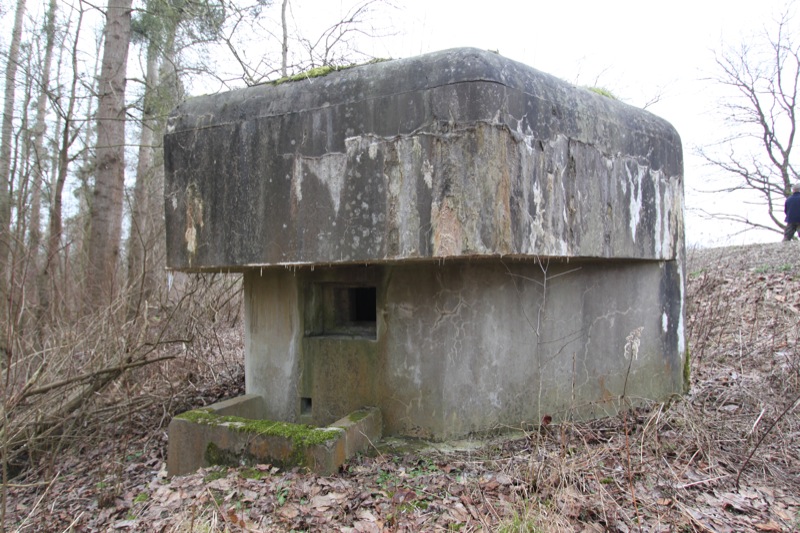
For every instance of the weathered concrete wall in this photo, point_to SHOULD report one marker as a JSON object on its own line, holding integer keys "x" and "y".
{"x": 467, "y": 346}
{"x": 456, "y": 238}
{"x": 273, "y": 333}
{"x": 452, "y": 154}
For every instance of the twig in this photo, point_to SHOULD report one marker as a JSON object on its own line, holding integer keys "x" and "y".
{"x": 755, "y": 424}
{"x": 72, "y": 524}
{"x": 788, "y": 408}
{"x": 380, "y": 454}
{"x": 214, "y": 501}
{"x": 39, "y": 501}
{"x": 632, "y": 351}
{"x": 29, "y": 485}
{"x": 691, "y": 459}
{"x": 692, "y": 518}
{"x": 88, "y": 375}
{"x": 702, "y": 481}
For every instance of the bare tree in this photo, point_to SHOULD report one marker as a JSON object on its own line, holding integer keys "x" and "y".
{"x": 282, "y": 48}
{"x": 284, "y": 39}
{"x": 137, "y": 240}
{"x": 5, "y": 169}
{"x": 162, "y": 28}
{"x": 337, "y": 43}
{"x": 40, "y": 157}
{"x": 761, "y": 116}
{"x": 68, "y": 129}
{"x": 106, "y": 209}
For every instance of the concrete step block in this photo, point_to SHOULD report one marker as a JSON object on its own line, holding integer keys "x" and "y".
{"x": 204, "y": 437}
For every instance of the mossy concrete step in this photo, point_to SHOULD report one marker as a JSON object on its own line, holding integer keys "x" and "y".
{"x": 231, "y": 433}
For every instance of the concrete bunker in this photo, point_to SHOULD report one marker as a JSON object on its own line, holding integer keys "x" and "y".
{"x": 457, "y": 239}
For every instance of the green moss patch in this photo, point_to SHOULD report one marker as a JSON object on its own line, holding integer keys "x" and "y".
{"x": 252, "y": 473}
{"x": 602, "y": 91}
{"x": 215, "y": 474}
{"x": 217, "y": 456}
{"x": 301, "y": 435}
{"x": 357, "y": 416}
{"x": 318, "y": 72}
{"x": 311, "y": 73}
{"x": 687, "y": 371}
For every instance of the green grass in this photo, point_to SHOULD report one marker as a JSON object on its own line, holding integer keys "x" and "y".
{"x": 766, "y": 269}
{"x": 215, "y": 474}
{"x": 697, "y": 273}
{"x": 318, "y": 72}
{"x": 602, "y": 91}
{"x": 519, "y": 524}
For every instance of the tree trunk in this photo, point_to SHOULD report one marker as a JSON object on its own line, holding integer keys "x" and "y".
{"x": 5, "y": 170}
{"x": 40, "y": 158}
{"x": 285, "y": 39}
{"x": 139, "y": 280}
{"x": 48, "y": 281}
{"x": 107, "y": 198}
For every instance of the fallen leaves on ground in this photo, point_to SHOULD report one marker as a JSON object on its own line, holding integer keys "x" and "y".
{"x": 656, "y": 467}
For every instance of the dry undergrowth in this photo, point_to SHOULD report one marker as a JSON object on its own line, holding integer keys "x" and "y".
{"x": 112, "y": 375}
{"x": 725, "y": 457}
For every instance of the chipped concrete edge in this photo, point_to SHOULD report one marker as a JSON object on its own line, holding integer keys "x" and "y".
{"x": 222, "y": 434}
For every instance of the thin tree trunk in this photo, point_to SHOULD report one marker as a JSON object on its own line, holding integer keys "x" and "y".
{"x": 5, "y": 170}
{"x": 39, "y": 156}
{"x": 107, "y": 198}
{"x": 49, "y": 282}
{"x": 20, "y": 265}
{"x": 285, "y": 42}
{"x": 76, "y": 265}
{"x": 138, "y": 279}
{"x": 6, "y": 330}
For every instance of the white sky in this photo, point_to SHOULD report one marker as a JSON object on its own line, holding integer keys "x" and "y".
{"x": 637, "y": 49}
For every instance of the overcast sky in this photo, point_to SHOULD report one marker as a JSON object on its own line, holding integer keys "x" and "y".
{"x": 638, "y": 49}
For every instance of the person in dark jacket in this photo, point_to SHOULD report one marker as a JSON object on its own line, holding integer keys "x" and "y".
{"x": 792, "y": 210}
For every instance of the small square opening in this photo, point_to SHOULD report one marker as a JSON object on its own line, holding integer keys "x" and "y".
{"x": 305, "y": 406}
{"x": 356, "y": 305}
{"x": 344, "y": 311}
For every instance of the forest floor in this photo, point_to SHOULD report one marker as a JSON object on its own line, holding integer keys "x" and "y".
{"x": 724, "y": 457}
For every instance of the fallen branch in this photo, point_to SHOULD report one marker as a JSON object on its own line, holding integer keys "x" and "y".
{"x": 95, "y": 374}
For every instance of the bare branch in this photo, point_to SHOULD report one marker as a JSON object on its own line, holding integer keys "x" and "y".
{"x": 739, "y": 219}
{"x": 756, "y": 152}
